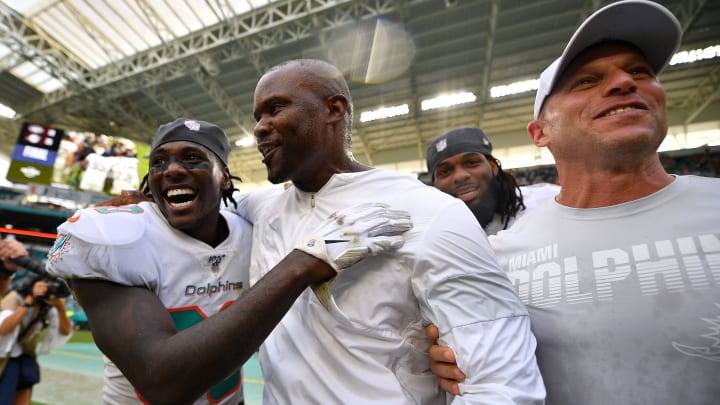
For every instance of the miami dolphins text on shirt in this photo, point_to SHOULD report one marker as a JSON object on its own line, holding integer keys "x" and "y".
{"x": 543, "y": 277}
{"x": 212, "y": 289}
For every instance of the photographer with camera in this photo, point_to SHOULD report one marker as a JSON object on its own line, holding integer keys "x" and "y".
{"x": 39, "y": 303}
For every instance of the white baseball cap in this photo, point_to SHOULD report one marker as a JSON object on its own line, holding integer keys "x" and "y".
{"x": 649, "y": 26}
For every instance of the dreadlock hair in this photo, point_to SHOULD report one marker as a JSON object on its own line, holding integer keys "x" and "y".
{"x": 226, "y": 195}
{"x": 510, "y": 199}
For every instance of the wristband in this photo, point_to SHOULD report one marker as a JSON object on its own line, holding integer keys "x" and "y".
{"x": 26, "y": 305}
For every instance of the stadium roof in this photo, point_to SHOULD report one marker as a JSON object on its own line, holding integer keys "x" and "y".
{"x": 122, "y": 67}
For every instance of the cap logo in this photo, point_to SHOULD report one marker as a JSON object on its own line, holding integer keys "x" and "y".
{"x": 192, "y": 125}
{"x": 441, "y": 145}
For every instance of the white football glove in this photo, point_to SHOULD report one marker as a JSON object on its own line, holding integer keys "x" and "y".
{"x": 350, "y": 235}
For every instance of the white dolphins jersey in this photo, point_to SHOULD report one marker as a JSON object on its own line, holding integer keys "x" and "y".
{"x": 134, "y": 245}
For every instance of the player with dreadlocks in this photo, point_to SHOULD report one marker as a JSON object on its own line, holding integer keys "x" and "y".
{"x": 461, "y": 164}
{"x": 165, "y": 283}
{"x": 145, "y": 189}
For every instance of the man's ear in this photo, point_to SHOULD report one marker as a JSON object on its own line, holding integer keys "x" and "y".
{"x": 536, "y": 129}
{"x": 227, "y": 181}
{"x": 337, "y": 107}
{"x": 494, "y": 166}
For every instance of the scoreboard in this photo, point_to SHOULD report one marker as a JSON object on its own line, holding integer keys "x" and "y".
{"x": 34, "y": 155}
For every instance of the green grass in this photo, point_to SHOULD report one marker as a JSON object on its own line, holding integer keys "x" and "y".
{"x": 81, "y": 336}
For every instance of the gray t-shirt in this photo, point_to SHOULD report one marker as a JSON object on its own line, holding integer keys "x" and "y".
{"x": 624, "y": 300}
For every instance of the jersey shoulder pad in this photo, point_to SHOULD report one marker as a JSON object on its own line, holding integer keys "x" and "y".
{"x": 108, "y": 225}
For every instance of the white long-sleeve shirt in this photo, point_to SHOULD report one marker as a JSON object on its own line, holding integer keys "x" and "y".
{"x": 370, "y": 347}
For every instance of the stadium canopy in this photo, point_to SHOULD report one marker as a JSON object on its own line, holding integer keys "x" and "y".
{"x": 122, "y": 67}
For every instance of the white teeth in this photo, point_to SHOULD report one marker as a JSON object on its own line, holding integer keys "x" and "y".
{"x": 463, "y": 192}
{"x": 180, "y": 205}
{"x": 180, "y": 191}
{"x": 619, "y": 110}
{"x": 265, "y": 148}
{"x": 265, "y": 151}
{"x": 186, "y": 194}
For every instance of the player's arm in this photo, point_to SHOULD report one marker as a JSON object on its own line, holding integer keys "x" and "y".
{"x": 126, "y": 197}
{"x": 133, "y": 328}
{"x": 465, "y": 293}
{"x": 247, "y": 204}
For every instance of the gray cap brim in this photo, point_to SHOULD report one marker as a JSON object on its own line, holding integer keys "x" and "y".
{"x": 649, "y": 26}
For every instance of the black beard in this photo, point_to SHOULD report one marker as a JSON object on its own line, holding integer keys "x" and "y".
{"x": 281, "y": 174}
{"x": 484, "y": 210}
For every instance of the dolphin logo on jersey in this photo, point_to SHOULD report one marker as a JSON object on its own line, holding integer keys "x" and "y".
{"x": 61, "y": 244}
{"x": 711, "y": 352}
{"x": 214, "y": 262}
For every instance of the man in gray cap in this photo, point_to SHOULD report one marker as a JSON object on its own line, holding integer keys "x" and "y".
{"x": 165, "y": 283}
{"x": 621, "y": 275}
{"x": 460, "y": 163}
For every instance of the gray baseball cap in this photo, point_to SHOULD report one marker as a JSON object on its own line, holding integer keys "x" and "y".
{"x": 649, "y": 26}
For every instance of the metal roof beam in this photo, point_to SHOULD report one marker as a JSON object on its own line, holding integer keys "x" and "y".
{"x": 74, "y": 122}
{"x": 120, "y": 117}
{"x": 223, "y": 100}
{"x": 138, "y": 119}
{"x": 276, "y": 24}
{"x": 708, "y": 89}
{"x": 489, "y": 46}
{"x": 166, "y": 102}
{"x": 83, "y": 100}
{"x": 701, "y": 97}
{"x": 36, "y": 46}
{"x": 414, "y": 95}
{"x": 158, "y": 25}
{"x": 687, "y": 11}
{"x": 101, "y": 39}
{"x": 10, "y": 60}
{"x": 366, "y": 147}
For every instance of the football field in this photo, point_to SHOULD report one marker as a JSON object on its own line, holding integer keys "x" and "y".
{"x": 72, "y": 375}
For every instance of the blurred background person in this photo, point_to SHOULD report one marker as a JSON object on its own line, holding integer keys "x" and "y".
{"x": 37, "y": 305}
{"x": 460, "y": 163}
